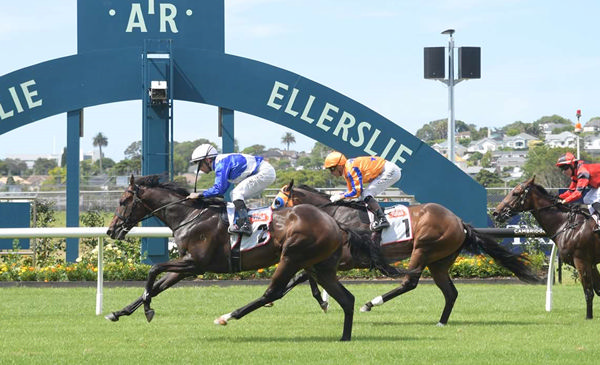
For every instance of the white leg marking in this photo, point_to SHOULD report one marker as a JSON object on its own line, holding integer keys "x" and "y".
{"x": 223, "y": 319}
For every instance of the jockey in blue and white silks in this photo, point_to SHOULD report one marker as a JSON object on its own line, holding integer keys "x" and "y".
{"x": 250, "y": 175}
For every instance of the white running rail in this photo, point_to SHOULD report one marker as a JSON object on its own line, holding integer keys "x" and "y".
{"x": 82, "y": 232}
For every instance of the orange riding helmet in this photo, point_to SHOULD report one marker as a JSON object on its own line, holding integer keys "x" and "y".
{"x": 334, "y": 159}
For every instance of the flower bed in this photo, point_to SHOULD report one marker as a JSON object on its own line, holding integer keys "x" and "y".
{"x": 465, "y": 267}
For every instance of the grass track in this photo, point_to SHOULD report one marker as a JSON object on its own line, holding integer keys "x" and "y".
{"x": 491, "y": 324}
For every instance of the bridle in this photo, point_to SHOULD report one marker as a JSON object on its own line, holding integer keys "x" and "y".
{"x": 280, "y": 202}
{"x": 518, "y": 205}
{"x": 128, "y": 223}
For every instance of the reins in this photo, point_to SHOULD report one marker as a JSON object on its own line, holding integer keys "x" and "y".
{"x": 572, "y": 212}
{"x": 152, "y": 212}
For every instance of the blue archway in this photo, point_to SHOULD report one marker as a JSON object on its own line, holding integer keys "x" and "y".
{"x": 203, "y": 73}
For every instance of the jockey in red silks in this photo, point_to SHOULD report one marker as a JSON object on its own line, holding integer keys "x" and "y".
{"x": 585, "y": 180}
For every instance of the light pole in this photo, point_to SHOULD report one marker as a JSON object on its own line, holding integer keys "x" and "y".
{"x": 450, "y": 83}
{"x": 578, "y": 129}
{"x": 469, "y": 67}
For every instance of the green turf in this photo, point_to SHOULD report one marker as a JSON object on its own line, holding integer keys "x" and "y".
{"x": 491, "y": 324}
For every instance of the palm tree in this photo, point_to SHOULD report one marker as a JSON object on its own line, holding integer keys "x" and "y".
{"x": 100, "y": 141}
{"x": 287, "y": 139}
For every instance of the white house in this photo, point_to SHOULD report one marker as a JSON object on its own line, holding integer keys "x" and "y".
{"x": 518, "y": 142}
{"x": 484, "y": 145}
{"x": 593, "y": 125}
{"x": 563, "y": 139}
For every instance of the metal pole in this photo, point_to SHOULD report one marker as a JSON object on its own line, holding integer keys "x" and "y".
{"x": 550, "y": 279}
{"x": 100, "y": 284}
{"x": 451, "y": 99}
{"x": 578, "y": 129}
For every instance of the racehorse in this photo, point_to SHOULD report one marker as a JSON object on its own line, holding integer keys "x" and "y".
{"x": 438, "y": 237}
{"x": 570, "y": 227}
{"x": 302, "y": 237}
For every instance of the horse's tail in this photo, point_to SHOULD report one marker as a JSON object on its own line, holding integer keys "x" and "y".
{"x": 362, "y": 245}
{"x": 517, "y": 264}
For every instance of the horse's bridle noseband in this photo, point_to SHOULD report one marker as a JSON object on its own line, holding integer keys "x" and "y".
{"x": 127, "y": 221}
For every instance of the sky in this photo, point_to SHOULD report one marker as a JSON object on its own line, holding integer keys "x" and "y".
{"x": 538, "y": 58}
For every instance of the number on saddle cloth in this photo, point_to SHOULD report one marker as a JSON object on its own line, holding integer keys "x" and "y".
{"x": 400, "y": 228}
{"x": 260, "y": 219}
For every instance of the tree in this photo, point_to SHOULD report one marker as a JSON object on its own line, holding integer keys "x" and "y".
{"x": 541, "y": 164}
{"x": 134, "y": 151}
{"x": 288, "y": 139}
{"x": 42, "y": 165}
{"x": 255, "y": 150}
{"x": 488, "y": 179}
{"x": 100, "y": 141}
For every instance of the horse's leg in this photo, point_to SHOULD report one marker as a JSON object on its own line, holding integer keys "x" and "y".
{"x": 586, "y": 276}
{"x": 596, "y": 279}
{"x": 407, "y": 283}
{"x": 277, "y": 288}
{"x": 316, "y": 293}
{"x": 185, "y": 266}
{"x": 327, "y": 277}
{"x": 439, "y": 273}
{"x": 161, "y": 285}
{"x": 302, "y": 277}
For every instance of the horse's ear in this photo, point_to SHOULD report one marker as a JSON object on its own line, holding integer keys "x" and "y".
{"x": 291, "y": 184}
{"x": 132, "y": 180}
{"x": 533, "y": 179}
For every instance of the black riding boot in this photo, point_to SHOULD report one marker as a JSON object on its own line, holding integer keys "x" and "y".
{"x": 596, "y": 216}
{"x": 242, "y": 222}
{"x": 380, "y": 222}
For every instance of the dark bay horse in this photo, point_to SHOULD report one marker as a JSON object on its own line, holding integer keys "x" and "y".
{"x": 302, "y": 237}
{"x": 438, "y": 237}
{"x": 570, "y": 227}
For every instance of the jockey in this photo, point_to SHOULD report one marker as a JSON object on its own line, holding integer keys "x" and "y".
{"x": 251, "y": 174}
{"x": 583, "y": 176}
{"x": 375, "y": 171}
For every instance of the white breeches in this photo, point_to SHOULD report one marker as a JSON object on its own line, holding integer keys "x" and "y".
{"x": 254, "y": 184}
{"x": 389, "y": 176}
{"x": 592, "y": 196}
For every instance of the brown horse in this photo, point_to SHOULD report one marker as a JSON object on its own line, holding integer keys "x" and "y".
{"x": 570, "y": 227}
{"x": 302, "y": 237}
{"x": 438, "y": 237}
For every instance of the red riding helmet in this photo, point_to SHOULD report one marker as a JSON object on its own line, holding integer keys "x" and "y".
{"x": 568, "y": 159}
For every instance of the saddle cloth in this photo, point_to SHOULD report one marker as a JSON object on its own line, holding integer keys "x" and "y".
{"x": 260, "y": 219}
{"x": 400, "y": 228}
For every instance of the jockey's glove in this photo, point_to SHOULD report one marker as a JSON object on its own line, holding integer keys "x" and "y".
{"x": 194, "y": 195}
{"x": 336, "y": 197}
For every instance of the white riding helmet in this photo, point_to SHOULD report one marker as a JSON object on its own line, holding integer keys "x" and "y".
{"x": 203, "y": 151}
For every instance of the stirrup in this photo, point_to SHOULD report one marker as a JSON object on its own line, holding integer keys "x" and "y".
{"x": 379, "y": 224}
{"x": 243, "y": 229}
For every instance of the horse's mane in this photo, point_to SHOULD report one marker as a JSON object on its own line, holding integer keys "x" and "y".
{"x": 154, "y": 181}
{"x": 564, "y": 207}
{"x": 345, "y": 203}
{"x": 313, "y": 190}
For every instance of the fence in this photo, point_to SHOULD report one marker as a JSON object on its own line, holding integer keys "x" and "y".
{"x": 85, "y": 232}
{"x": 100, "y": 233}
{"x": 106, "y": 200}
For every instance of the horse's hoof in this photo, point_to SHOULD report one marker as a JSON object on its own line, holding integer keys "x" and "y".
{"x": 365, "y": 308}
{"x": 111, "y": 317}
{"x": 149, "y": 315}
{"x": 325, "y": 306}
{"x": 220, "y": 321}
{"x": 269, "y": 305}
{"x": 440, "y": 324}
